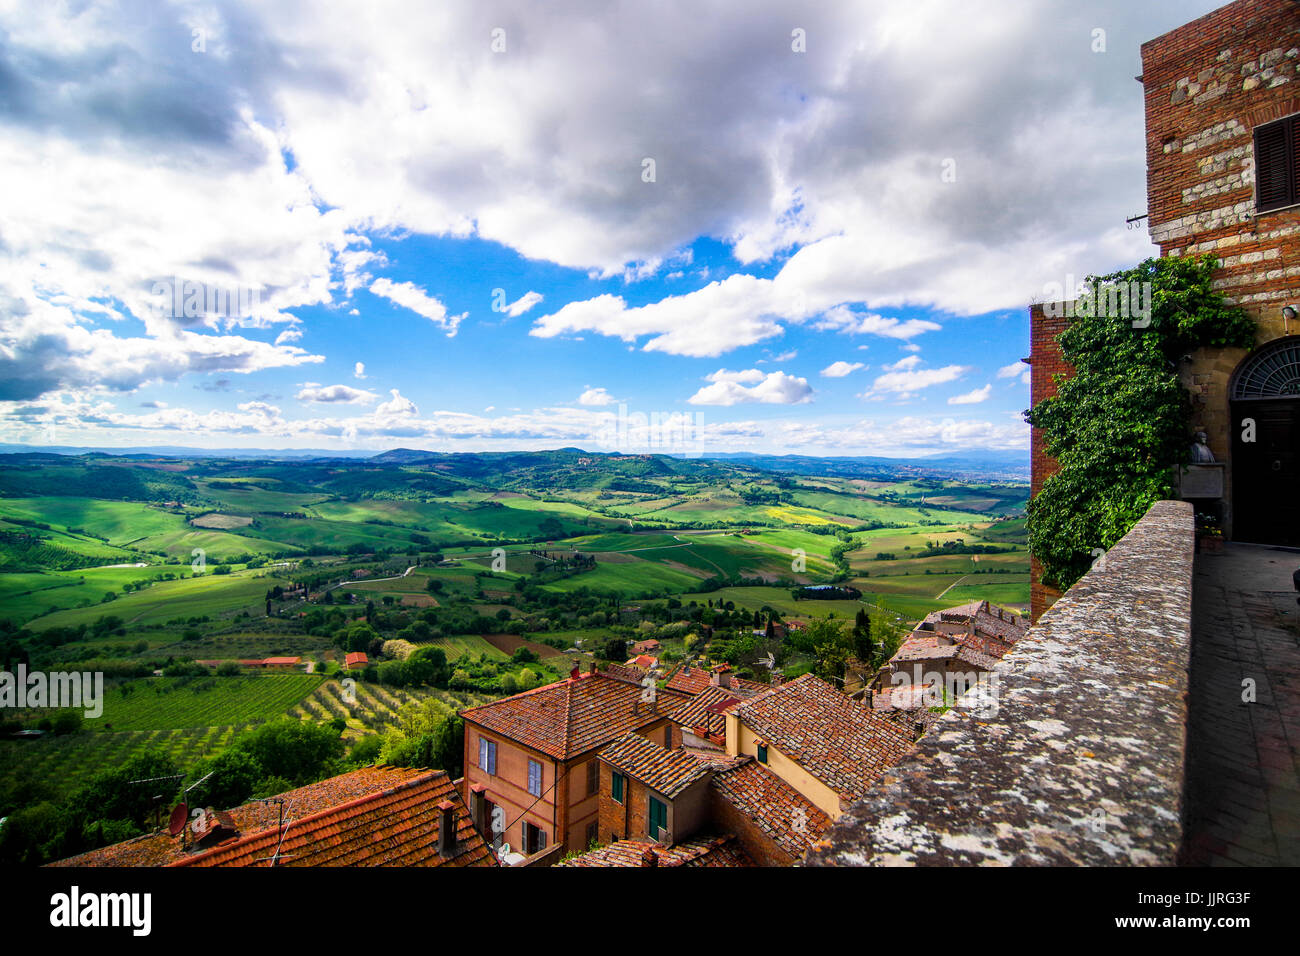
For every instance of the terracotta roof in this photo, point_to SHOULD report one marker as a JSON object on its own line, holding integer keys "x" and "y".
{"x": 692, "y": 679}
{"x": 788, "y": 819}
{"x": 396, "y": 827}
{"x": 161, "y": 849}
{"x": 668, "y": 771}
{"x": 702, "y": 851}
{"x": 707, "y": 709}
{"x": 624, "y": 673}
{"x": 839, "y": 741}
{"x": 643, "y": 661}
{"x": 356, "y": 659}
{"x": 573, "y": 716}
{"x": 689, "y": 680}
{"x": 273, "y": 661}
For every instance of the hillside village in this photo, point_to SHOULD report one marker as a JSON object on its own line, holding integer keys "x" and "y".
{"x": 619, "y": 766}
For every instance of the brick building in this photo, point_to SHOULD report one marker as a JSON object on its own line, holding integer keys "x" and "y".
{"x": 1222, "y": 102}
{"x": 533, "y": 755}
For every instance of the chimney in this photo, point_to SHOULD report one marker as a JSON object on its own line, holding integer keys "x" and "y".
{"x": 594, "y": 669}
{"x": 574, "y": 674}
{"x": 446, "y": 828}
{"x": 649, "y": 858}
{"x": 721, "y": 676}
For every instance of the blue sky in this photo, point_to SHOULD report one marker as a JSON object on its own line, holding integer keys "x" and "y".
{"x": 849, "y": 212}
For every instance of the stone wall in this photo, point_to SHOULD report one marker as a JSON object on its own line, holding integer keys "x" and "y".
{"x": 1083, "y": 762}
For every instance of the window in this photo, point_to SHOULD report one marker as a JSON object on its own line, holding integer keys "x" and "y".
{"x": 616, "y": 787}
{"x": 762, "y": 753}
{"x": 534, "y": 839}
{"x": 658, "y": 817}
{"x": 1277, "y": 164}
{"x": 593, "y": 833}
{"x": 593, "y": 776}
{"x": 534, "y": 778}
{"x": 487, "y": 755}
{"x": 668, "y": 736}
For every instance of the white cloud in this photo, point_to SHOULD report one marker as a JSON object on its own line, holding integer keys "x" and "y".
{"x": 1011, "y": 371}
{"x": 410, "y": 296}
{"x": 345, "y": 394}
{"x": 397, "y": 407}
{"x": 523, "y": 304}
{"x": 906, "y": 362}
{"x": 841, "y": 369}
{"x": 912, "y": 380}
{"x": 731, "y": 388}
{"x": 596, "y": 396}
{"x": 972, "y": 397}
{"x": 359, "y": 370}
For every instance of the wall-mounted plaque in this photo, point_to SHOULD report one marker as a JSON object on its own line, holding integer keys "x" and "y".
{"x": 1201, "y": 481}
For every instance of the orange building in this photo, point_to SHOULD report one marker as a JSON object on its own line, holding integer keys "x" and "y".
{"x": 532, "y": 776}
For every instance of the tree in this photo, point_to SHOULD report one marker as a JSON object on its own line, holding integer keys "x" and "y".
{"x": 832, "y": 661}
{"x": 1121, "y": 423}
{"x": 863, "y": 647}
{"x": 297, "y": 750}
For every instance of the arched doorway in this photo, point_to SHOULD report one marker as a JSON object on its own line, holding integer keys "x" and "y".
{"x": 1265, "y": 391}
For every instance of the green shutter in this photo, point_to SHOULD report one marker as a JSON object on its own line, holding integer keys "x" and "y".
{"x": 658, "y": 817}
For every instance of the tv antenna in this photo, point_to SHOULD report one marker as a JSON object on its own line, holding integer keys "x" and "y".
{"x": 283, "y": 828}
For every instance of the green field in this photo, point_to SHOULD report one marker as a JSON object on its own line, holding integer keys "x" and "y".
{"x": 213, "y": 595}
{"x": 166, "y": 703}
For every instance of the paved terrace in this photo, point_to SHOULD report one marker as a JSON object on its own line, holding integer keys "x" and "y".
{"x": 1082, "y": 762}
{"x": 1243, "y": 792}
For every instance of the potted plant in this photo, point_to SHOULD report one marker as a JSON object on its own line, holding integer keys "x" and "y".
{"x": 1209, "y": 536}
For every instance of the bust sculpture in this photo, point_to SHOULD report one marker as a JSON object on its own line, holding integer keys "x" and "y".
{"x": 1201, "y": 453}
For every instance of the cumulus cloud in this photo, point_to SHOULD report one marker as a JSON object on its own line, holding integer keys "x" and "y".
{"x": 911, "y": 380}
{"x": 359, "y": 370}
{"x": 596, "y": 396}
{"x": 751, "y": 385}
{"x": 973, "y": 397}
{"x": 330, "y": 394}
{"x": 410, "y": 296}
{"x": 841, "y": 369}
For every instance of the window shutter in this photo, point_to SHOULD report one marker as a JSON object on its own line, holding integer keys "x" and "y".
{"x": 1276, "y": 149}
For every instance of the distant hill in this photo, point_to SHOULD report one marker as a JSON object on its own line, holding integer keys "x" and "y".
{"x": 978, "y": 465}
{"x": 973, "y": 465}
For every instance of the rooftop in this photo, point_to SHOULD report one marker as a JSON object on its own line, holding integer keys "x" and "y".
{"x": 667, "y": 771}
{"x": 841, "y": 742}
{"x": 573, "y": 716}
{"x": 701, "y": 851}
{"x": 789, "y": 819}
{"x": 377, "y": 795}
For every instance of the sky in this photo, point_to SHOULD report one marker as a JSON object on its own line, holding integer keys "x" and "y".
{"x": 680, "y": 227}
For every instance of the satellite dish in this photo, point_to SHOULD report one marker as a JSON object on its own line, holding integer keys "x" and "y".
{"x": 180, "y": 814}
